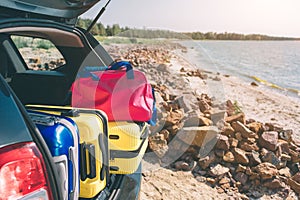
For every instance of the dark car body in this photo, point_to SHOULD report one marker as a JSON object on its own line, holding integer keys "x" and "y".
{"x": 51, "y": 20}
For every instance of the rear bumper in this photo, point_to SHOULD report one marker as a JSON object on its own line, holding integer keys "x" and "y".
{"x": 122, "y": 187}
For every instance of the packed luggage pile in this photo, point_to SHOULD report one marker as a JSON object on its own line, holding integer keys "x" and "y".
{"x": 104, "y": 131}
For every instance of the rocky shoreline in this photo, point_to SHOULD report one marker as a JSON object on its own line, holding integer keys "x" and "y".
{"x": 211, "y": 137}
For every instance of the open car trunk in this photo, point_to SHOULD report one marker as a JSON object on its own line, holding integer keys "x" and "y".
{"x": 64, "y": 10}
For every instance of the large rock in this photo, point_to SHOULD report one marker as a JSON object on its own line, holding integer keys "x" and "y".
{"x": 249, "y": 147}
{"x": 240, "y": 127}
{"x": 254, "y": 176}
{"x": 266, "y": 170}
{"x": 269, "y": 140}
{"x": 254, "y": 158}
{"x": 285, "y": 157}
{"x": 205, "y": 136}
{"x": 224, "y": 180}
{"x": 270, "y": 157}
{"x": 227, "y": 129}
{"x": 283, "y": 146}
{"x": 273, "y": 127}
{"x": 238, "y": 136}
{"x": 294, "y": 182}
{"x": 234, "y": 118}
{"x": 204, "y": 106}
{"x": 256, "y": 127}
{"x": 241, "y": 177}
{"x": 286, "y": 172}
{"x": 230, "y": 108}
{"x": 240, "y": 156}
{"x": 196, "y": 119}
{"x": 233, "y": 142}
{"x": 241, "y": 168}
{"x": 218, "y": 116}
{"x": 185, "y": 102}
{"x": 274, "y": 184}
{"x": 158, "y": 144}
{"x": 229, "y": 157}
{"x": 218, "y": 170}
{"x": 295, "y": 156}
{"x": 159, "y": 99}
{"x": 174, "y": 117}
{"x": 223, "y": 142}
{"x": 207, "y": 160}
{"x": 175, "y": 128}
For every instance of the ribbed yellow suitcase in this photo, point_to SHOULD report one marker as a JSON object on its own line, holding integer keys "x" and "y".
{"x": 94, "y": 154}
{"x": 128, "y": 142}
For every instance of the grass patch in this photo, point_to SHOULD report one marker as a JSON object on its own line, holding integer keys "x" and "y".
{"x": 43, "y": 44}
{"x": 21, "y": 42}
{"x": 126, "y": 40}
{"x": 34, "y": 43}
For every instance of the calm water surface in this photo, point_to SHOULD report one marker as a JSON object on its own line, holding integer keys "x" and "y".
{"x": 273, "y": 63}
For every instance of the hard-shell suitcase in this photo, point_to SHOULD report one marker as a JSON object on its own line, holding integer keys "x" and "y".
{"x": 128, "y": 142}
{"x": 94, "y": 154}
{"x": 126, "y": 136}
{"x": 62, "y": 138}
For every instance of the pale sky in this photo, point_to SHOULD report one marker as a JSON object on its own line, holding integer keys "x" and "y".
{"x": 271, "y": 17}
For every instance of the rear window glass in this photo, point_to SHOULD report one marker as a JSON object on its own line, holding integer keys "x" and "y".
{"x": 39, "y": 54}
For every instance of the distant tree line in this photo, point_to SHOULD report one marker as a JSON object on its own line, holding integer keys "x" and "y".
{"x": 115, "y": 29}
{"x": 145, "y": 33}
{"x": 100, "y": 29}
{"x": 233, "y": 36}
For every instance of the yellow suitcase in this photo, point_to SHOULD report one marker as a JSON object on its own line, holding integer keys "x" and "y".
{"x": 94, "y": 154}
{"x": 128, "y": 142}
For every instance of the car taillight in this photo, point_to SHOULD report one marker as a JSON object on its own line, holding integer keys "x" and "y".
{"x": 22, "y": 173}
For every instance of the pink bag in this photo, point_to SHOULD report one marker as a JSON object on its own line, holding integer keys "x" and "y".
{"x": 124, "y": 95}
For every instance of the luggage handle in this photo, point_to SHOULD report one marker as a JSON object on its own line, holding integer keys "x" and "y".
{"x": 90, "y": 149}
{"x": 92, "y": 160}
{"x": 127, "y": 65}
{"x": 87, "y": 72}
{"x": 83, "y": 167}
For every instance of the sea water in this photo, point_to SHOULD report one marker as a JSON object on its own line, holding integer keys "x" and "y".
{"x": 275, "y": 64}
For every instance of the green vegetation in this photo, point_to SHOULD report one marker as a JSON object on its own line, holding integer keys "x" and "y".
{"x": 99, "y": 28}
{"x": 115, "y": 30}
{"x": 117, "y": 40}
{"x": 237, "y": 108}
{"x": 151, "y": 34}
{"x": 21, "y": 42}
{"x": 43, "y": 44}
{"x": 126, "y": 40}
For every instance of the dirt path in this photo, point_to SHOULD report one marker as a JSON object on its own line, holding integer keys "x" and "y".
{"x": 162, "y": 183}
